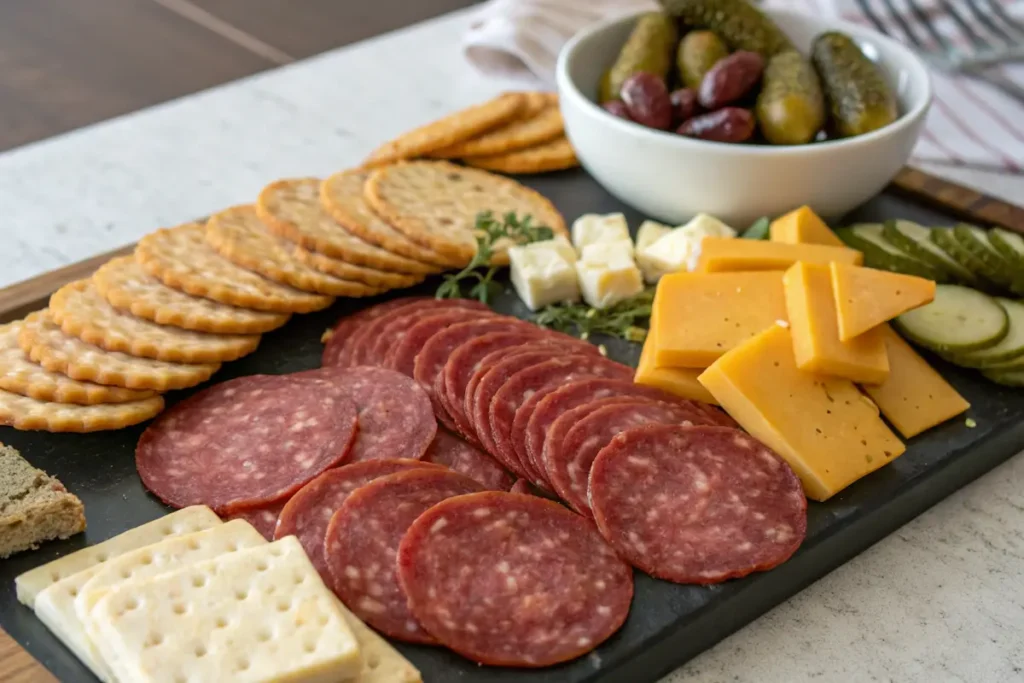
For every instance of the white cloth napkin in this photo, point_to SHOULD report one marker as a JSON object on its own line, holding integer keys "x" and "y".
{"x": 971, "y": 123}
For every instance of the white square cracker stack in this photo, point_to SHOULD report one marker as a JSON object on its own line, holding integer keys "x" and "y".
{"x": 51, "y": 589}
{"x": 260, "y": 614}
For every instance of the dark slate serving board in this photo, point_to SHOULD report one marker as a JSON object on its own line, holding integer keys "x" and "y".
{"x": 668, "y": 624}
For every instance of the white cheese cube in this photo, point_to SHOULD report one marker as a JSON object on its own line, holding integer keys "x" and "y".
{"x": 607, "y": 274}
{"x": 649, "y": 233}
{"x": 592, "y": 228}
{"x": 544, "y": 272}
{"x": 680, "y": 248}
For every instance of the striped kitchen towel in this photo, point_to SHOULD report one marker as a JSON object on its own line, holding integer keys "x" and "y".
{"x": 971, "y": 123}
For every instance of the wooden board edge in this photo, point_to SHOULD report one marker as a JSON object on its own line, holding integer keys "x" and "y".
{"x": 18, "y": 666}
{"x": 970, "y": 205}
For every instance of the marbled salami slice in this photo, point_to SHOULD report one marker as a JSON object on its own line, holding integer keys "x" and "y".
{"x": 536, "y": 415}
{"x": 443, "y": 410}
{"x": 395, "y": 417}
{"x": 337, "y": 351}
{"x": 263, "y": 518}
{"x": 512, "y": 580}
{"x": 389, "y": 334}
{"x": 697, "y": 505}
{"x": 571, "y": 460}
{"x": 454, "y": 453}
{"x": 522, "y": 487}
{"x": 309, "y": 511}
{"x": 246, "y": 442}
{"x": 402, "y": 356}
{"x": 362, "y": 540}
{"x": 521, "y": 386}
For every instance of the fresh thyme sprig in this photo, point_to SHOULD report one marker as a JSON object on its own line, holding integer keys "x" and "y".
{"x": 627, "y": 319}
{"x": 488, "y": 231}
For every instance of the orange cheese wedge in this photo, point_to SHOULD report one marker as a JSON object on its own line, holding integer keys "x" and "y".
{"x": 802, "y": 226}
{"x": 865, "y": 298}
{"x": 723, "y": 254}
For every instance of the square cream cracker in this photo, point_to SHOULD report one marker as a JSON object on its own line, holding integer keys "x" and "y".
{"x": 51, "y": 590}
{"x": 257, "y": 615}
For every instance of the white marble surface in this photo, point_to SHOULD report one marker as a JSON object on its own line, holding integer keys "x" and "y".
{"x": 940, "y": 600}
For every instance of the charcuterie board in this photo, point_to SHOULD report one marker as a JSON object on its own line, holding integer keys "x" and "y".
{"x": 668, "y": 624}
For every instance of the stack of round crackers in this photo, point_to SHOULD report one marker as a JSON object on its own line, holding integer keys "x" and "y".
{"x": 198, "y": 295}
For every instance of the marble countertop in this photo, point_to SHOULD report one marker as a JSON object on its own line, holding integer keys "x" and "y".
{"x": 940, "y": 600}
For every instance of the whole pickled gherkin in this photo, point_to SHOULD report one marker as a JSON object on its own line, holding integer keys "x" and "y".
{"x": 650, "y": 48}
{"x": 858, "y": 97}
{"x": 698, "y": 52}
{"x": 741, "y": 25}
{"x": 791, "y": 108}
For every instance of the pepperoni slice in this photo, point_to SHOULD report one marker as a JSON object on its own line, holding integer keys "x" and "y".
{"x": 698, "y": 504}
{"x": 454, "y": 453}
{"x": 395, "y": 417}
{"x": 337, "y": 351}
{"x": 309, "y": 511}
{"x": 511, "y": 580}
{"x": 246, "y": 442}
{"x": 362, "y": 540}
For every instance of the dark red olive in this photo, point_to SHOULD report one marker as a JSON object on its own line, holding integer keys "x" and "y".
{"x": 617, "y": 108}
{"x": 730, "y": 79}
{"x": 647, "y": 100}
{"x": 730, "y": 124}
{"x": 684, "y": 104}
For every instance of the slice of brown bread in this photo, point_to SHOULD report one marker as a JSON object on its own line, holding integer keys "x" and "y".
{"x": 34, "y": 507}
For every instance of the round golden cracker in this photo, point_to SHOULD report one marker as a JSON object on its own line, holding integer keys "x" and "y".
{"x": 46, "y": 344}
{"x": 292, "y": 209}
{"x": 555, "y": 155}
{"x": 19, "y": 375}
{"x": 380, "y": 279}
{"x": 341, "y": 195}
{"x": 127, "y": 286}
{"x": 241, "y": 237}
{"x": 22, "y": 412}
{"x": 82, "y": 312}
{"x": 449, "y": 130}
{"x": 539, "y": 125}
{"x": 181, "y": 259}
{"x": 436, "y": 203}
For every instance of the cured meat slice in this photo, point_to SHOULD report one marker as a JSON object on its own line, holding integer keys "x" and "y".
{"x": 697, "y": 505}
{"x": 309, "y": 511}
{"x": 401, "y": 356}
{"x": 338, "y": 348}
{"x": 512, "y": 580}
{"x": 362, "y": 340}
{"x": 389, "y": 333}
{"x": 246, "y": 442}
{"x": 395, "y": 417}
{"x": 453, "y": 452}
{"x": 443, "y": 409}
{"x": 521, "y": 386}
{"x": 570, "y": 460}
{"x": 538, "y": 413}
{"x": 362, "y": 540}
{"x": 263, "y": 518}
{"x": 521, "y": 486}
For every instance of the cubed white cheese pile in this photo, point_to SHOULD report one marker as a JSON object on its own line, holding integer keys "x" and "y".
{"x": 661, "y": 250}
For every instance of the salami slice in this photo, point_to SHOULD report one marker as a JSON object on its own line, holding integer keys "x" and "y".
{"x": 246, "y": 442}
{"x": 402, "y": 357}
{"x": 454, "y": 453}
{"x": 571, "y": 460}
{"x": 337, "y": 351}
{"x": 395, "y": 417}
{"x": 697, "y": 505}
{"x": 363, "y": 340}
{"x": 522, "y": 487}
{"x": 513, "y": 580}
{"x": 309, "y": 511}
{"x": 537, "y": 414}
{"x": 263, "y": 518}
{"x": 521, "y": 386}
{"x": 390, "y": 333}
{"x": 443, "y": 409}
{"x": 362, "y": 540}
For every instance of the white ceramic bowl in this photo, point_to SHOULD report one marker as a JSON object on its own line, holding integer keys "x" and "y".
{"x": 671, "y": 178}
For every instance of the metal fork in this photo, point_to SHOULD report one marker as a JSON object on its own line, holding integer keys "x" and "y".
{"x": 995, "y": 38}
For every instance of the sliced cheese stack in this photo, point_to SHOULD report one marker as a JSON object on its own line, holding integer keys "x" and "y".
{"x": 780, "y": 333}
{"x": 187, "y": 597}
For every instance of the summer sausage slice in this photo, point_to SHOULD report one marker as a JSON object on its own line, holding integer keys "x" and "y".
{"x": 362, "y": 540}
{"x": 454, "y": 453}
{"x": 401, "y": 356}
{"x": 309, "y": 511}
{"x": 696, "y": 504}
{"x": 337, "y": 350}
{"x": 388, "y": 334}
{"x": 507, "y": 579}
{"x": 246, "y": 442}
{"x": 263, "y": 518}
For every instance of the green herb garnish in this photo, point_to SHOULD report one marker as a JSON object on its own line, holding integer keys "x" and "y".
{"x": 758, "y": 230}
{"x": 488, "y": 231}
{"x": 627, "y": 319}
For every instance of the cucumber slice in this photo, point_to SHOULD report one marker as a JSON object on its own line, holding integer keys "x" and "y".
{"x": 992, "y": 265}
{"x": 879, "y": 253}
{"x": 1009, "y": 244}
{"x": 915, "y": 239}
{"x": 1009, "y": 348}
{"x": 960, "y": 319}
{"x": 947, "y": 242}
{"x": 1008, "y": 366}
{"x": 1008, "y": 378}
